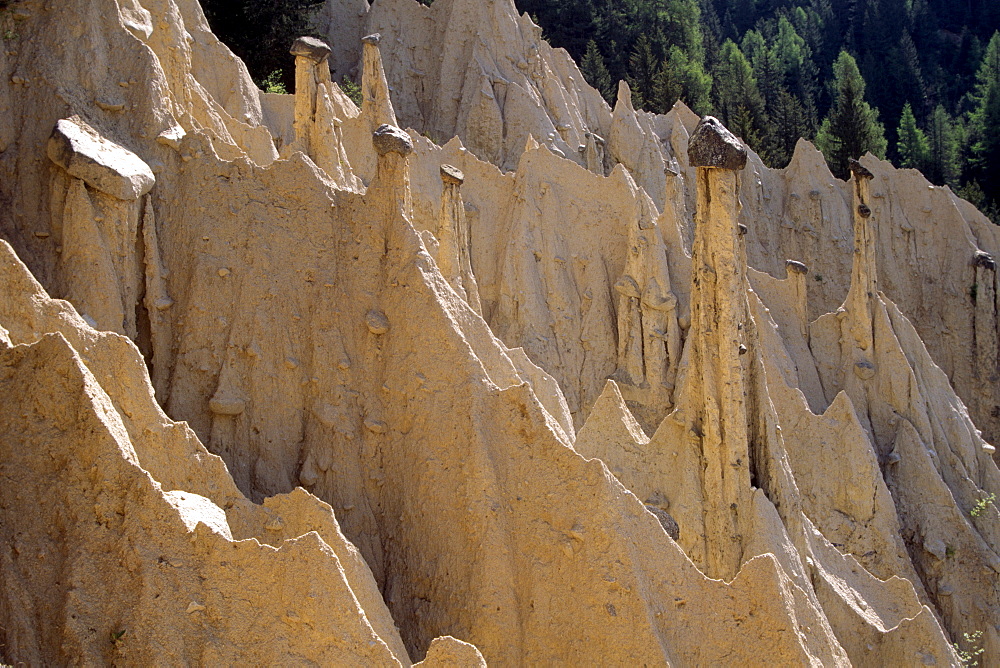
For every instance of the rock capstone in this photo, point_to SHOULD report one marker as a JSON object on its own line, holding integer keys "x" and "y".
{"x": 310, "y": 47}
{"x": 390, "y": 139}
{"x": 99, "y": 162}
{"x": 452, "y": 175}
{"x": 984, "y": 260}
{"x": 796, "y": 267}
{"x": 712, "y": 145}
{"x": 860, "y": 171}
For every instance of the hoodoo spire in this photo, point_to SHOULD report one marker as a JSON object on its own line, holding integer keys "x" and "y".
{"x": 719, "y": 317}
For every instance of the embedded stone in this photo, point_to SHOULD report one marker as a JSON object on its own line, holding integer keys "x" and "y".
{"x": 309, "y": 47}
{"x": 99, "y": 162}
{"x": 376, "y": 426}
{"x": 796, "y": 267}
{"x": 712, "y": 145}
{"x": 374, "y": 39}
{"x": 377, "y": 322}
{"x": 390, "y": 139}
{"x": 864, "y": 370}
{"x": 668, "y": 523}
{"x": 226, "y": 405}
{"x": 452, "y": 175}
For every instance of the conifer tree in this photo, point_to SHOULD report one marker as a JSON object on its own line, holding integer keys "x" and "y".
{"x": 912, "y": 146}
{"x": 788, "y": 122}
{"x": 944, "y": 139}
{"x": 681, "y": 78}
{"x": 984, "y": 122}
{"x": 596, "y": 72}
{"x": 851, "y": 129}
{"x": 736, "y": 97}
{"x": 643, "y": 69}
{"x": 261, "y": 32}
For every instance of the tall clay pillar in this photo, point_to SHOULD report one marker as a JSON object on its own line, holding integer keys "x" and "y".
{"x": 311, "y": 71}
{"x": 453, "y": 236}
{"x": 864, "y": 276}
{"x": 375, "y": 103}
{"x": 797, "y": 272}
{"x": 719, "y": 319}
{"x": 392, "y": 178}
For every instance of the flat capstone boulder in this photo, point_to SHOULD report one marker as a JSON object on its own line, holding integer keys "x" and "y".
{"x": 99, "y": 162}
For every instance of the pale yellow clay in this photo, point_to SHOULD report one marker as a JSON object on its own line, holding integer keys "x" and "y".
{"x": 537, "y": 381}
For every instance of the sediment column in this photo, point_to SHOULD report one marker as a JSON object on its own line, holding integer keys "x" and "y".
{"x": 311, "y": 70}
{"x": 719, "y": 318}
{"x": 392, "y": 176}
{"x": 797, "y": 272}
{"x": 864, "y": 276}
{"x": 375, "y": 104}
{"x": 454, "y": 256}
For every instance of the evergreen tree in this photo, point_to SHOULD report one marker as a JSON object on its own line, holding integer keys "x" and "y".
{"x": 643, "y": 69}
{"x": 261, "y": 32}
{"x": 683, "y": 79}
{"x": 912, "y": 146}
{"x": 984, "y": 123}
{"x": 788, "y": 123}
{"x": 851, "y": 128}
{"x": 943, "y": 136}
{"x": 736, "y": 97}
{"x": 596, "y": 72}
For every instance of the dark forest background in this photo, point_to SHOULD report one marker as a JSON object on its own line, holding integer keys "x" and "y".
{"x": 914, "y": 81}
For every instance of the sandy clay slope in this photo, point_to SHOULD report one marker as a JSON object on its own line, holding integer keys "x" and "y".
{"x": 282, "y": 383}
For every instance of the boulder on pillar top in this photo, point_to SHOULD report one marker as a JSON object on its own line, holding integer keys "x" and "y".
{"x": 100, "y": 162}
{"x": 796, "y": 267}
{"x": 452, "y": 175}
{"x": 311, "y": 48}
{"x": 374, "y": 38}
{"x": 390, "y": 139}
{"x": 859, "y": 170}
{"x": 984, "y": 260}
{"x": 712, "y": 145}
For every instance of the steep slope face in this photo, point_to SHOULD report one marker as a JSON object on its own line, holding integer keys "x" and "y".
{"x": 122, "y": 526}
{"x": 464, "y": 87}
{"x": 476, "y": 70}
{"x": 313, "y": 320}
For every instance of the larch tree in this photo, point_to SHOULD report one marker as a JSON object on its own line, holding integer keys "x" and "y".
{"x": 596, "y": 72}
{"x": 852, "y": 128}
{"x": 984, "y": 123}
{"x": 912, "y": 146}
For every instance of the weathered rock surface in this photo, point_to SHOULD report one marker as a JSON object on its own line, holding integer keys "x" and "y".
{"x": 643, "y": 403}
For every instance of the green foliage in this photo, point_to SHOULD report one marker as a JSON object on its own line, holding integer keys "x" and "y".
{"x": 912, "y": 146}
{"x": 261, "y": 31}
{"x": 736, "y": 97}
{"x": 851, "y": 129}
{"x": 272, "y": 83}
{"x": 984, "y": 123}
{"x": 932, "y": 53}
{"x": 352, "y": 90}
{"x": 644, "y": 67}
{"x": 970, "y": 657}
{"x": 944, "y": 138}
{"x": 681, "y": 78}
{"x": 596, "y": 72}
{"x": 982, "y": 505}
